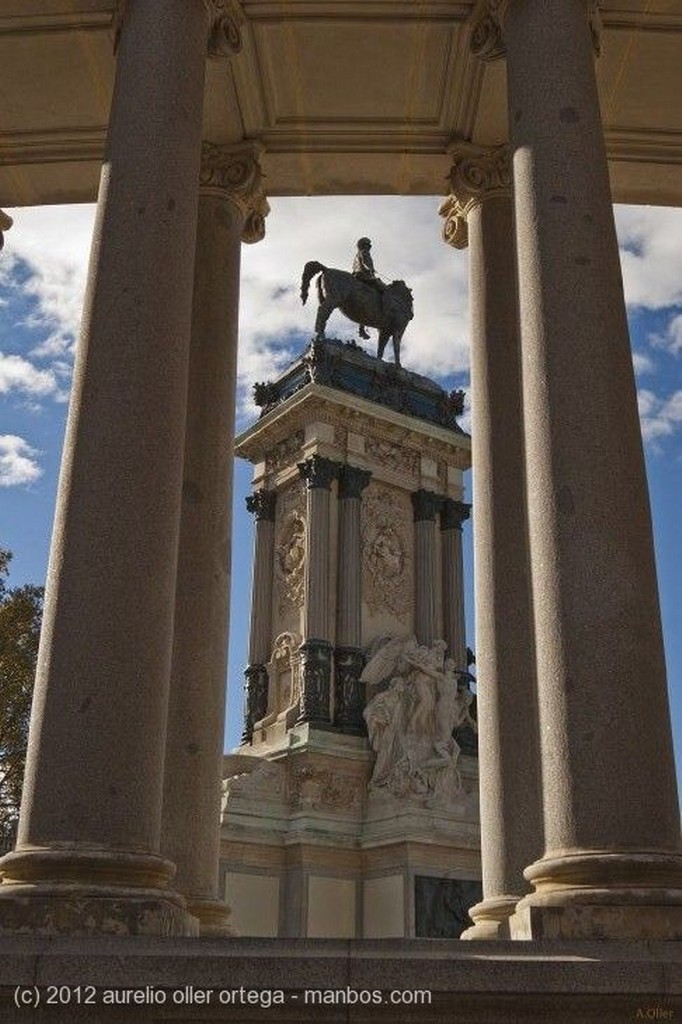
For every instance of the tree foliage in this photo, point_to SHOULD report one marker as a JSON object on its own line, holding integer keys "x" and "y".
{"x": 20, "y": 618}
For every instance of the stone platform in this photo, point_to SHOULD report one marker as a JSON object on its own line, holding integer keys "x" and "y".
{"x": 490, "y": 983}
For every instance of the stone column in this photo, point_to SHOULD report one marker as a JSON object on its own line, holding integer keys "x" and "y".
{"x": 425, "y": 505}
{"x": 316, "y": 650}
{"x": 349, "y": 697}
{"x": 229, "y": 201}
{"x": 87, "y": 858}
{"x": 479, "y": 212}
{"x": 262, "y": 504}
{"x": 452, "y": 516}
{"x": 611, "y": 866}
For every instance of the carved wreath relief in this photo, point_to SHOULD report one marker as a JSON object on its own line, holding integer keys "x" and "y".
{"x": 290, "y": 549}
{"x": 386, "y": 561}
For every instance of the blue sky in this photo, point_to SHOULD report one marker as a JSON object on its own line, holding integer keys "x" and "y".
{"x": 42, "y": 276}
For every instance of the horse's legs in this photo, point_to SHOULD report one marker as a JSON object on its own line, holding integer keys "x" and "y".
{"x": 396, "y": 346}
{"x": 324, "y": 311}
{"x": 383, "y": 340}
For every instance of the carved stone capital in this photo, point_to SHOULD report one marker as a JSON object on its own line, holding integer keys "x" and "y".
{"x": 453, "y": 514}
{"x": 235, "y": 172}
{"x": 224, "y": 35}
{"x": 5, "y": 224}
{"x": 318, "y": 472}
{"x": 352, "y": 481}
{"x": 425, "y": 505}
{"x": 477, "y": 174}
{"x": 487, "y": 33}
{"x": 262, "y": 503}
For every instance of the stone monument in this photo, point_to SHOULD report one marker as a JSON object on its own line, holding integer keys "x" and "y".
{"x": 351, "y": 808}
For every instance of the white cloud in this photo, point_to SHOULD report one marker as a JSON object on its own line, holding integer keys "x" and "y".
{"x": 18, "y": 464}
{"x": 19, "y": 375}
{"x": 659, "y": 417}
{"x": 671, "y": 337}
{"x": 642, "y": 363}
{"x": 651, "y": 242}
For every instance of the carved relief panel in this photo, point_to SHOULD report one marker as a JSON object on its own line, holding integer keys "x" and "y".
{"x": 290, "y": 551}
{"x": 386, "y": 536}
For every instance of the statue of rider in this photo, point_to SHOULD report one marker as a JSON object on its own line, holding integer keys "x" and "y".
{"x": 363, "y": 269}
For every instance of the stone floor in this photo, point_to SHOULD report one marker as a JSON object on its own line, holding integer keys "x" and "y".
{"x": 272, "y": 980}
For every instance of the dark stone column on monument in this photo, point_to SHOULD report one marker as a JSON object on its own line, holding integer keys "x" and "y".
{"x": 349, "y": 697}
{"x": 479, "y": 212}
{"x": 316, "y": 649}
{"x": 612, "y": 866}
{"x": 262, "y": 504}
{"x": 230, "y": 200}
{"x": 425, "y": 505}
{"x": 88, "y": 856}
{"x": 452, "y": 515}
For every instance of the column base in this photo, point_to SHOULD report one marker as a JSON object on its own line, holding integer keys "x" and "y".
{"x": 630, "y": 896}
{"x": 213, "y": 916}
{"x": 88, "y": 891}
{"x": 491, "y": 918}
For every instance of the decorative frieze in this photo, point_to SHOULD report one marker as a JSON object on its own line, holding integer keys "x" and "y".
{"x": 323, "y": 789}
{"x": 386, "y": 553}
{"x": 284, "y": 452}
{"x": 235, "y": 172}
{"x": 476, "y": 174}
{"x": 397, "y": 457}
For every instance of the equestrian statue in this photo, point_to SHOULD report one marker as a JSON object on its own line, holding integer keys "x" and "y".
{"x": 362, "y": 297}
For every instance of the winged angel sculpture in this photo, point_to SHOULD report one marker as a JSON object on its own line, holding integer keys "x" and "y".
{"x": 411, "y": 721}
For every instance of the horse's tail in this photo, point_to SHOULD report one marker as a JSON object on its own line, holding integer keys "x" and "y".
{"x": 309, "y": 271}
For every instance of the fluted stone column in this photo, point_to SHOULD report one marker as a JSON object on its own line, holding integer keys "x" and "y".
{"x": 316, "y": 650}
{"x": 262, "y": 504}
{"x": 452, "y": 515}
{"x": 230, "y": 201}
{"x": 87, "y": 857}
{"x": 349, "y": 697}
{"x": 425, "y": 505}
{"x": 612, "y": 866}
{"x": 479, "y": 212}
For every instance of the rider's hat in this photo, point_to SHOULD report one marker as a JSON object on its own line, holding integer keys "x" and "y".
{"x": 363, "y": 243}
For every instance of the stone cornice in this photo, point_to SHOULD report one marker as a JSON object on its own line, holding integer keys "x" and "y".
{"x": 5, "y": 224}
{"x": 477, "y": 174}
{"x": 487, "y": 34}
{"x": 235, "y": 173}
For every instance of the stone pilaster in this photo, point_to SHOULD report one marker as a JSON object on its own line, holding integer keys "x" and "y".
{"x": 425, "y": 505}
{"x": 262, "y": 504}
{"x": 611, "y": 866}
{"x": 349, "y": 698}
{"x": 316, "y": 650}
{"x": 452, "y": 515}
{"x": 229, "y": 194}
{"x": 481, "y": 212}
{"x": 88, "y": 855}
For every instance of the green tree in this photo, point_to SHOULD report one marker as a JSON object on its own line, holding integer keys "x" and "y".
{"x": 21, "y": 611}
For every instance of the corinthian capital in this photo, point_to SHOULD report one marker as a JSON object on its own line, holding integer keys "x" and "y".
{"x": 5, "y": 224}
{"x": 476, "y": 175}
{"x": 224, "y": 35}
{"x": 487, "y": 35}
{"x": 235, "y": 172}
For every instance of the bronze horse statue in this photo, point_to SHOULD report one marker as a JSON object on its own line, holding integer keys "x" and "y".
{"x": 389, "y": 311}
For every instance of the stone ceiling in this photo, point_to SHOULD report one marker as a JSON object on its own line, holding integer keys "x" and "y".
{"x": 347, "y": 96}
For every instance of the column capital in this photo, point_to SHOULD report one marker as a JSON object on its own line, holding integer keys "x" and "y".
{"x": 425, "y": 505}
{"x": 478, "y": 173}
{"x": 318, "y": 472}
{"x": 262, "y": 503}
{"x": 352, "y": 481}
{"x": 453, "y": 514}
{"x": 235, "y": 173}
{"x": 5, "y": 224}
{"x": 224, "y": 31}
{"x": 487, "y": 34}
